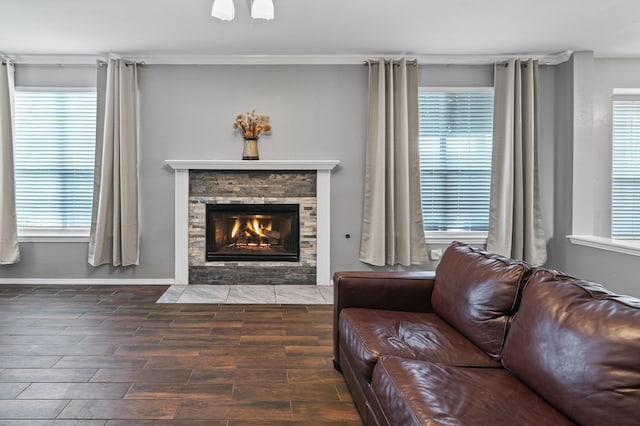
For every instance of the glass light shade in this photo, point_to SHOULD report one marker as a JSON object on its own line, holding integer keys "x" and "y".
{"x": 223, "y": 9}
{"x": 262, "y": 9}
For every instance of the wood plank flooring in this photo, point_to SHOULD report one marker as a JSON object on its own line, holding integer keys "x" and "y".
{"x": 109, "y": 355}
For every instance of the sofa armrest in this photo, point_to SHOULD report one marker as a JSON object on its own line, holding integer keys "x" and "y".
{"x": 393, "y": 290}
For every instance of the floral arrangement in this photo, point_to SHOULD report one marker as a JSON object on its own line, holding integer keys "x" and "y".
{"x": 252, "y": 125}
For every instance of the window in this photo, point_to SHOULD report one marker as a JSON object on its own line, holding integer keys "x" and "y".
{"x": 456, "y": 130}
{"x": 54, "y": 160}
{"x": 625, "y": 168}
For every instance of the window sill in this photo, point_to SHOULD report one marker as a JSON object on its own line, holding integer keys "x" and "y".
{"x": 630, "y": 247}
{"x": 446, "y": 237}
{"x": 53, "y": 235}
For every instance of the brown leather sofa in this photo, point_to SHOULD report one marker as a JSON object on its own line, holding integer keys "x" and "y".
{"x": 486, "y": 341}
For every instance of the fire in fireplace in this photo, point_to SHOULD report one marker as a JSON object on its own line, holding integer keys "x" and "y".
{"x": 253, "y": 232}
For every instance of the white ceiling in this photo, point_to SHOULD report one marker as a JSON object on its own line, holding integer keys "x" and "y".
{"x": 139, "y": 28}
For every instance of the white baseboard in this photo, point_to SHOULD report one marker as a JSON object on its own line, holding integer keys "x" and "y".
{"x": 86, "y": 281}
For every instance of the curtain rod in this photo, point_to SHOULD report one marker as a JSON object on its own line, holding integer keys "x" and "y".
{"x": 545, "y": 59}
{"x": 479, "y": 60}
{"x": 410, "y": 61}
{"x": 127, "y": 62}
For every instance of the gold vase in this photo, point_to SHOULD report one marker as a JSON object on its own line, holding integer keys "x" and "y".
{"x": 250, "y": 151}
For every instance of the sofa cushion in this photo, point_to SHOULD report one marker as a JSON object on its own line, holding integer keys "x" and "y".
{"x": 367, "y": 334}
{"x": 476, "y": 291}
{"x": 578, "y": 346}
{"x": 420, "y": 393}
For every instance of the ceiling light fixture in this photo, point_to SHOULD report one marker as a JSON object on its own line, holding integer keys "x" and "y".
{"x": 262, "y": 9}
{"x": 225, "y": 9}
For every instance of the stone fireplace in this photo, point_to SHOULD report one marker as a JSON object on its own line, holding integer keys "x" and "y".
{"x": 236, "y": 222}
{"x": 248, "y": 199}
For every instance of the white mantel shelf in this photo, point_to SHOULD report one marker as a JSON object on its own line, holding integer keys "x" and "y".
{"x": 323, "y": 170}
{"x": 253, "y": 164}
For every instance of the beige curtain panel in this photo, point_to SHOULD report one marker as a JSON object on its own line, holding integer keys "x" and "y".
{"x": 392, "y": 229}
{"x": 515, "y": 216}
{"x": 114, "y": 237}
{"x": 9, "y": 251}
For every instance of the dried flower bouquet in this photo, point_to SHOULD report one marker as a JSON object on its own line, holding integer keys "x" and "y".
{"x": 252, "y": 125}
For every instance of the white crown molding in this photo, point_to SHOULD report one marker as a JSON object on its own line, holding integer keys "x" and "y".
{"x": 254, "y": 59}
{"x": 56, "y": 59}
{"x": 547, "y": 59}
{"x": 356, "y": 59}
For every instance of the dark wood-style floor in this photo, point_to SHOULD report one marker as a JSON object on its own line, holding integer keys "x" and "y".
{"x": 109, "y": 355}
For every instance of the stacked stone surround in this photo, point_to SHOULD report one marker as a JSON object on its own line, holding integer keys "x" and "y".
{"x": 252, "y": 187}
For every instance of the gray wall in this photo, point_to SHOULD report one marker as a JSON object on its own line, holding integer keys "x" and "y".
{"x": 583, "y": 130}
{"x": 318, "y": 112}
{"x": 186, "y": 112}
{"x": 561, "y": 166}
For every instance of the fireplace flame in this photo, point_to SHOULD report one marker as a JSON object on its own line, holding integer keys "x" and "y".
{"x": 235, "y": 229}
{"x": 256, "y": 227}
{"x": 252, "y": 232}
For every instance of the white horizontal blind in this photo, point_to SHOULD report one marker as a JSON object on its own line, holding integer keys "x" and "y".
{"x": 456, "y": 130}
{"x": 625, "y": 170}
{"x": 54, "y": 158}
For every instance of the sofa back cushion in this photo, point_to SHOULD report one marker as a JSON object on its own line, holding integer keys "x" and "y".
{"x": 578, "y": 346}
{"x": 476, "y": 293}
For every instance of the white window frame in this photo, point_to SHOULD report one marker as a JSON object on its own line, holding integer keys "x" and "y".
{"x": 624, "y": 246}
{"x": 54, "y": 234}
{"x": 634, "y": 99}
{"x": 446, "y": 237}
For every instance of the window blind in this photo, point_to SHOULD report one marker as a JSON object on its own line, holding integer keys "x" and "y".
{"x": 54, "y": 158}
{"x": 625, "y": 168}
{"x": 456, "y": 130}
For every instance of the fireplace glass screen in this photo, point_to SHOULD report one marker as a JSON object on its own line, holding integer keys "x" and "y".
{"x": 255, "y": 232}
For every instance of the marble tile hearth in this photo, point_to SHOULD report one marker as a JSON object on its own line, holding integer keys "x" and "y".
{"x": 249, "y": 294}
